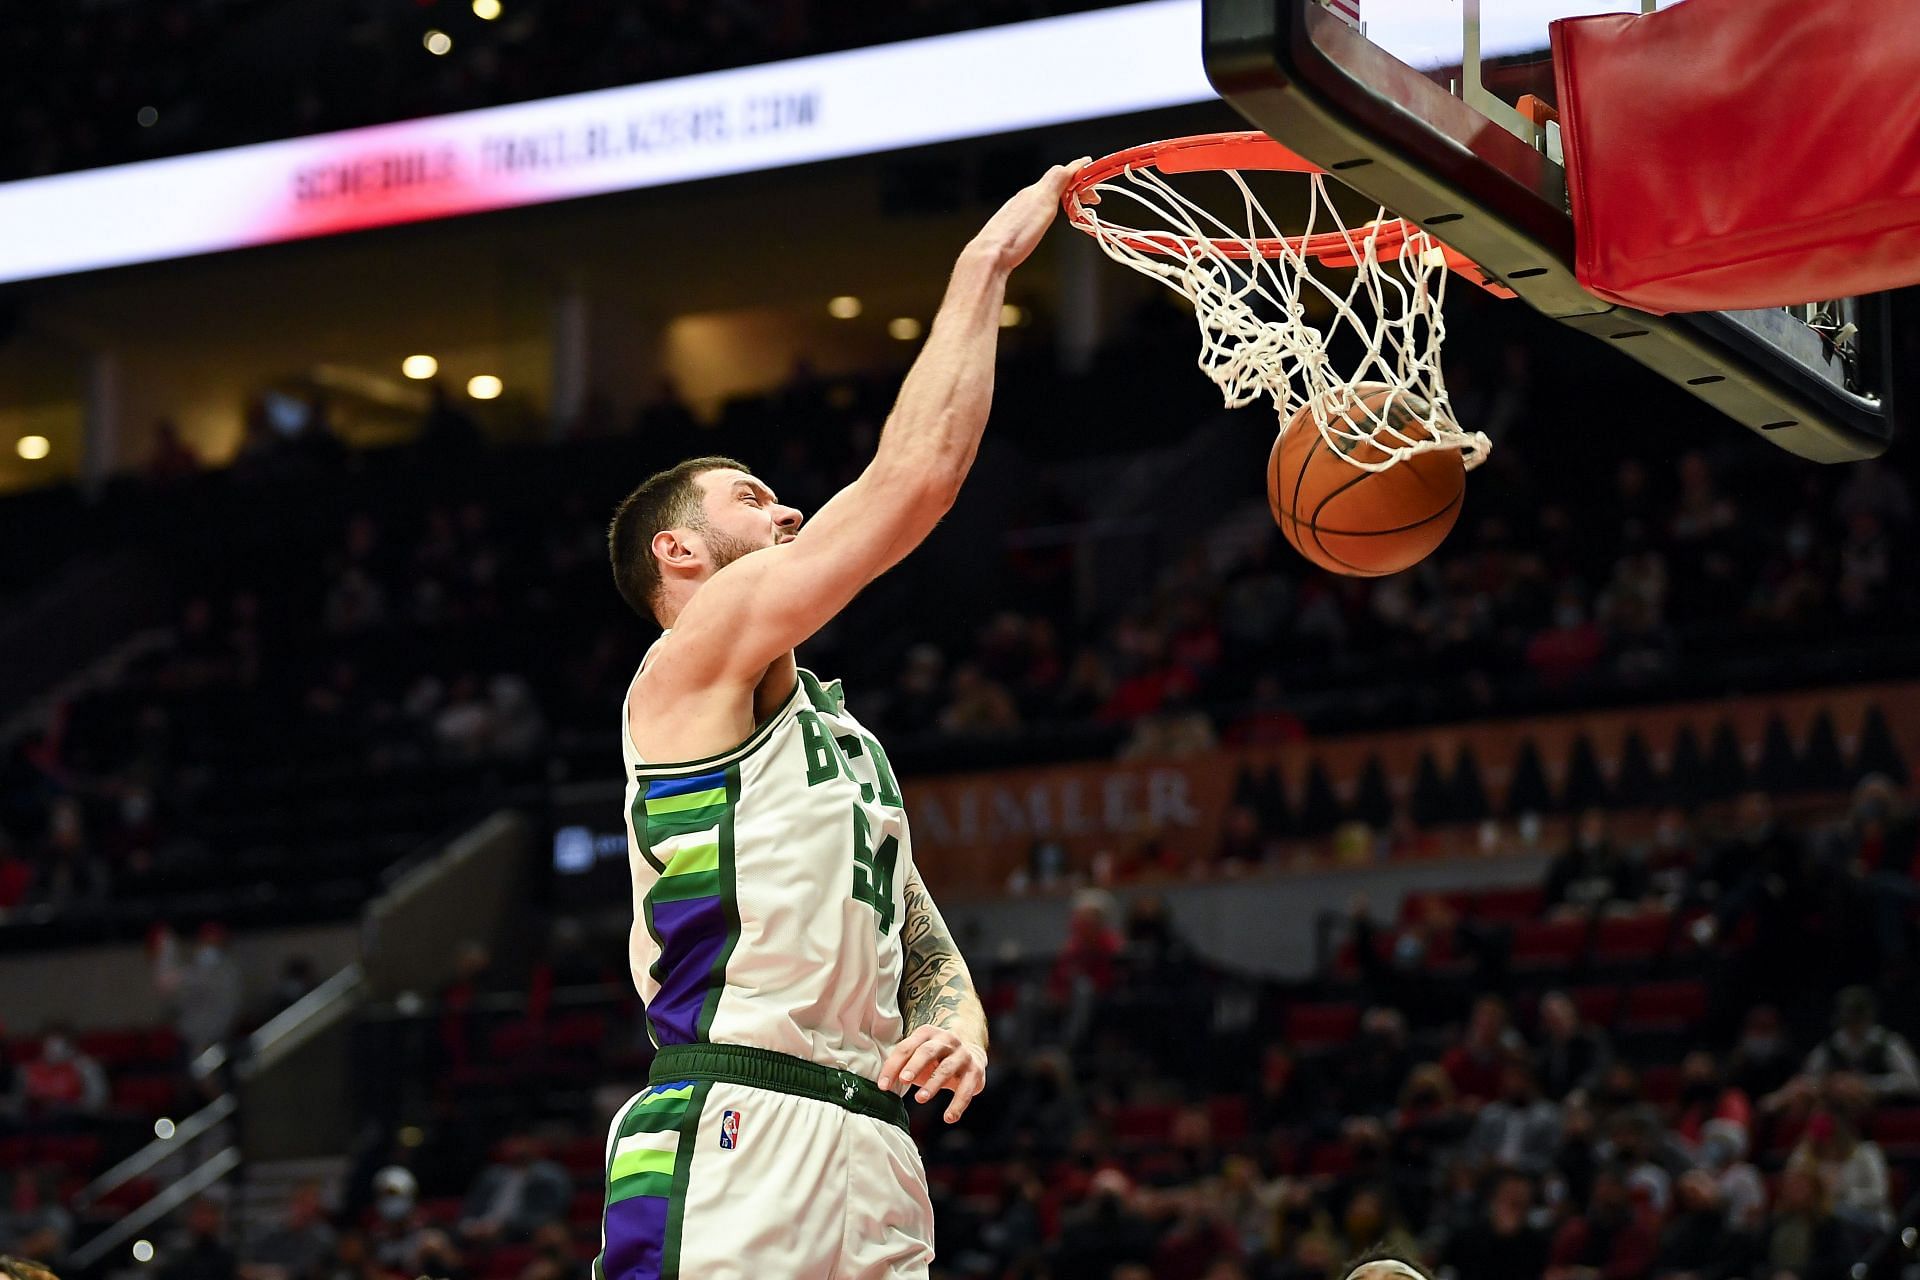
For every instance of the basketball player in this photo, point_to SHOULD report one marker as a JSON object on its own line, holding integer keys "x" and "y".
{"x": 796, "y": 973}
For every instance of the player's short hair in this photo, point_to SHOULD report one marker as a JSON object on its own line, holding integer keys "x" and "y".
{"x": 1381, "y": 1254}
{"x": 667, "y": 499}
{"x": 13, "y": 1268}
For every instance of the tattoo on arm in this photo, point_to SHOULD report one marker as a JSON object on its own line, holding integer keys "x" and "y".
{"x": 936, "y": 990}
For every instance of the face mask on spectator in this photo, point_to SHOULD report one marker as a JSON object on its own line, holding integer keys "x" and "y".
{"x": 393, "y": 1208}
{"x": 56, "y": 1049}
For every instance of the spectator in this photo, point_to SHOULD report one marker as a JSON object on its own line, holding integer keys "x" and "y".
{"x": 1177, "y": 730}
{"x": 1373, "y": 1068}
{"x": 516, "y": 1195}
{"x": 353, "y": 1260}
{"x": 1803, "y": 1239}
{"x": 1704, "y": 1096}
{"x": 1610, "y": 1241}
{"x": 1519, "y": 1129}
{"x": 1572, "y": 1056}
{"x": 978, "y": 705}
{"x": 1371, "y": 1220}
{"x": 1592, "y": 873}
{"x": 1862, "y": 1061}
{"x": 1504, "y": 1244}
{"x": 200, "y": 1251}
{"x": 1852, "y": 1173}
{"x": 297, "y": 1247}
{"x": 63, "y": 1081}
{"x": 172, "y": 459}
{"x": 1475, "y": 1064}
{"x": 296, "y": 980}
{"x": 1723, "y": 1153}
{"x": 398, "y": 1228}
{"x": 203, "y": 988}
{"x": 1265, "y": 720}
{"x": 32, "y": 1223}
{"x": 1105, "y": 1232}
{"x": 1697, "y": 1242}
{"x": 1762, "y": 1061}
{"x": 1091, "y": 955}
{"x": 1636, "y": 1145}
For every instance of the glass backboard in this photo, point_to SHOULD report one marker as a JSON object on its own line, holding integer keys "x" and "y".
{"x": 1416, "y": 104}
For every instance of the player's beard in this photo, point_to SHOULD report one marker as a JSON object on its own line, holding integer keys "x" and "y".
{"x": 724, "y": 548}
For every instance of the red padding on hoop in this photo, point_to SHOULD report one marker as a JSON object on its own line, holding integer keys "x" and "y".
{"x": 1729, "y": 154}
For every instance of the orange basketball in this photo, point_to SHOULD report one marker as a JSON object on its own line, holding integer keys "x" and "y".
{"x": 1364, "y": 523}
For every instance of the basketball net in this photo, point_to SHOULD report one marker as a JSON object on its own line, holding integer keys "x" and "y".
{"x": 1252, "y": 294}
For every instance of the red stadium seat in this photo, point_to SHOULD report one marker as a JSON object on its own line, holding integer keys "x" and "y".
{"x": 507, "y": 1261}
{"x": 74, "y": 1151}
{"x": 583, "y": 1157}
{"x": 586, "y": 1206}
{"x": 1898, "y": 1130}
{"x": 1597, "y": 1005}
{"x": 146, "y": 1095}
{"x": 1549, "y": 944}
{"x": 1330, "y": 1160}
{"x": 114, "y": 1048}
{"x": 1228, "y": 1114}
{"x": 1666, "y": 1006}
{"x": 442, "y": 1211}
{"x": 1661, "y": 1084}
{"x": 577, "y": 1031}
{"x": 1510, "y": 905}
{"x": 1316, "y": 1026}
{"x": 1143, "y": 1123}
{"x": 1633, "y": 939}
{"x": 984, "y": 1180}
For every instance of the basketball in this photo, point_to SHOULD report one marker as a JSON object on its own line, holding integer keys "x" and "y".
{"x": 1365, "y": 524}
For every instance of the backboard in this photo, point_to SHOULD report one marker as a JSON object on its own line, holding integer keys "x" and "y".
{"x": 1413, "y": 104}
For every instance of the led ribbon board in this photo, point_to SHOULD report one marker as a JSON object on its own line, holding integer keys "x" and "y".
{"x": 996, "y": 80}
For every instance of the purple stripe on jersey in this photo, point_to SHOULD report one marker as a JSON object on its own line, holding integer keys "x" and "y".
{"x": 636, "y": 1230}
{"x": 691, "y": 936}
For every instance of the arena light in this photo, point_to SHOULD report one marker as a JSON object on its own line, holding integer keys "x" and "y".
{"x": 147, "y": 117}
{"x": 438, "y": 43}
{"x": 903, "y": 328}
{"x": 484, "y": 386}
{"x": 1012, "y": 317}
{"x": 33, "y": 448}
{"x": 486, "y": 10}
{"x": 143, "y": 1251}
{"x": 844, "y": 307}
{"x": 419, "y": 368}
{"x": 163, "y": 1128}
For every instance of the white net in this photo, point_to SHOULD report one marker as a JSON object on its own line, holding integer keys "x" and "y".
{"x": 1270, "y": 324}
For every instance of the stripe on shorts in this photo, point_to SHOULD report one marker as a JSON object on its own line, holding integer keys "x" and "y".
{"x": 646, "y": 1184}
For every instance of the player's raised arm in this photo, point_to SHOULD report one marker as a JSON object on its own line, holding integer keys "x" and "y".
{"x": 762, "y": 605}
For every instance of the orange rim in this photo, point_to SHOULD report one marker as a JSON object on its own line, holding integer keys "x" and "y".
{"x": 1250, "y": 151}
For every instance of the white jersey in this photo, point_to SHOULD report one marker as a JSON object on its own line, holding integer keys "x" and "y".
{"x": 768, "y": 888}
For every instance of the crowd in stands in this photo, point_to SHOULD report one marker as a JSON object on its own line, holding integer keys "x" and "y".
{"x": 417, "y": 634}
{"x": 215, "y": 73}
{"x": 1490, "y": 1120}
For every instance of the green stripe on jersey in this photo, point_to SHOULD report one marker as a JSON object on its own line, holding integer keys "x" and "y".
{"x": 694, "y": 857}
{"x": 700, "y": 884}
{"x": 689, "y": 800}
{"x": 639, "y": 1184}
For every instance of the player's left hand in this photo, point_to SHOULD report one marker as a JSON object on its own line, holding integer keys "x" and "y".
{"x": 935, "y": 1059}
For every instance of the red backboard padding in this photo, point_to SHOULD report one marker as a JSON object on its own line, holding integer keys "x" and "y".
{"x": 1731, "y": 154}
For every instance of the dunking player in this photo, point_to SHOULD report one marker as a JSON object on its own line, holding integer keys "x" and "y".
{"x": 795, "y": 971}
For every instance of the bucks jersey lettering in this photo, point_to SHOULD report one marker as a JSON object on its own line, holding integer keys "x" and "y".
{"x": 767, "y": 887}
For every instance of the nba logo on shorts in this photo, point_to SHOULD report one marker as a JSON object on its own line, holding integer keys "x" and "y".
{"x": 729, "y": 1130}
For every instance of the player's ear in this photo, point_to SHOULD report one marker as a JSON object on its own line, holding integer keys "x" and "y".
{"x": 676, "y": 549}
